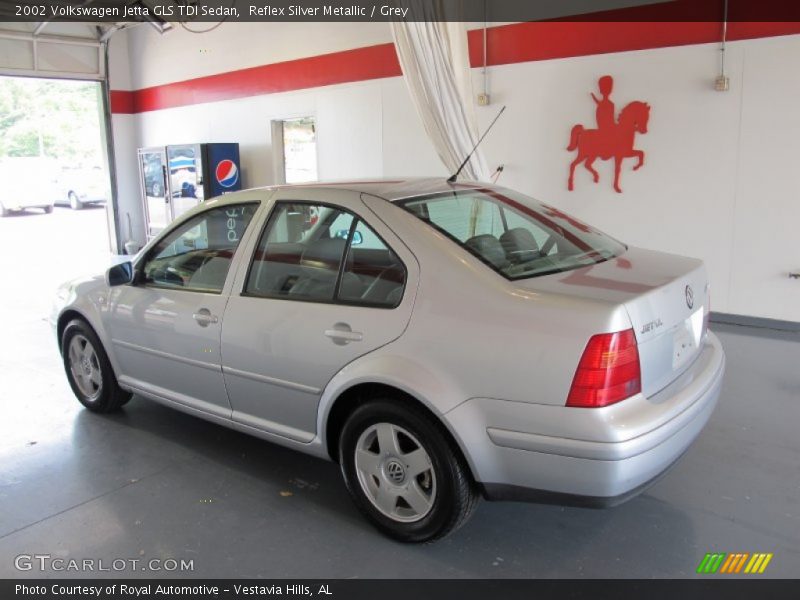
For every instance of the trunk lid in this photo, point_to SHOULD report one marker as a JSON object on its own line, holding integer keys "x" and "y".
{"x": 665, "y": 296}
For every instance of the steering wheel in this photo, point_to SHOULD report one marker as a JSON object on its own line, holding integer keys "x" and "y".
{"x": 173, "y": 276}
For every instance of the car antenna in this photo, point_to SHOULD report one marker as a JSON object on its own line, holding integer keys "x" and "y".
{"x": 454, "y": 176}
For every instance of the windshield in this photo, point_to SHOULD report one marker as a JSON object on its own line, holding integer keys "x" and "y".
{"x": 515, "y": 235}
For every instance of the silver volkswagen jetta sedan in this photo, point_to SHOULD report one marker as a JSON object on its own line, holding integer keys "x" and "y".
{"x": 439, "y": 341}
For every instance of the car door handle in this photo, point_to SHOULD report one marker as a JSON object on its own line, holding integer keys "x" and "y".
{"x": 342, "y": 334}
{"x": 204, "y": 317}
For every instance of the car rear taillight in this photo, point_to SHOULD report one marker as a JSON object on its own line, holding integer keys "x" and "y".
{"x": 607, "y": 372}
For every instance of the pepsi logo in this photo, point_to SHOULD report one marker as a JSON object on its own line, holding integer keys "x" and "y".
{"x": 227, "y": 173}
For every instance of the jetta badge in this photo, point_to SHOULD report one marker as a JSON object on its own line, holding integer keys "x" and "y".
{"x": 689, "y": 296}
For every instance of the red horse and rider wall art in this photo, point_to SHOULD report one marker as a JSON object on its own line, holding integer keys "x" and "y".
{"x": 613, "y": 138}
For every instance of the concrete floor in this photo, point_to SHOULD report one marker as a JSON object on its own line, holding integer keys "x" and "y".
{"x": 150, "y": 482}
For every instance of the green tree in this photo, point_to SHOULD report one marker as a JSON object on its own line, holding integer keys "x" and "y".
{"x": 56, "y": 119}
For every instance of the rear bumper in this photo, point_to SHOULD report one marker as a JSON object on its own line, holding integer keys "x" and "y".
{"x": 594, "y": 457}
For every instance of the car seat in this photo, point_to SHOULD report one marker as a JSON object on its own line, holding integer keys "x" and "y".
{"x": 519, "y": 245}
{"x": 319, "y": 269}
{"x": 489, "y": 249}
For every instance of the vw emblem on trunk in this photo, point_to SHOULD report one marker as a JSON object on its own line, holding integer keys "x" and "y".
{"x": 689, "y": 296}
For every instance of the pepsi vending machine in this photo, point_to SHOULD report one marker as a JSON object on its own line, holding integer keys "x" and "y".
{"x": 222, "y": 161}
{"x": 177, "y": 178}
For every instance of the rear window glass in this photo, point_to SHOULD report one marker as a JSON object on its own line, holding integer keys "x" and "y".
{"x": 515, "y": 235}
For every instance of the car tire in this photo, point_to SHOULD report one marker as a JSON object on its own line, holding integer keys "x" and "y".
{"x": 404, "y": 472}
{"x": 88, "y": 369}
{"x": 74, "y": 201}
{"x": 47, "y": 209}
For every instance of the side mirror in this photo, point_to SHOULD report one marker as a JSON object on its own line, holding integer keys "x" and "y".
{"x": 120, "y": 274}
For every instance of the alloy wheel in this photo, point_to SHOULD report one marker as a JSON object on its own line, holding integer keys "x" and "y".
{"x": 395, "y": 472}
{"x": 85, "y": 367}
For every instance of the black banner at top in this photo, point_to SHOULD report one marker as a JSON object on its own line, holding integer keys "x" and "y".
{"x": 131, "y": 11}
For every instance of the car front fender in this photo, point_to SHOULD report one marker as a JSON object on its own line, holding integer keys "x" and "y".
{"x": 87, "y": 299}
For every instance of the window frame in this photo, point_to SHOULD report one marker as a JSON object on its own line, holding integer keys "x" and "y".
{"x": 335, "y": 301}
{"x": 139, "y": 274}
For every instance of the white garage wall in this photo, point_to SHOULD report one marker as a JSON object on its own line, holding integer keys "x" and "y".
{"x": 179, "y": 55}
{"x": 767, "y": 201}
{"x": 125, "y": 144}
{"x": 718, "y": 181}
{"x": 352, "y": 124}
{"x": 682, "y": 199}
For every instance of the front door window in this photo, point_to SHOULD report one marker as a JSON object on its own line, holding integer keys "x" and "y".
{"x": 198, "y": 254}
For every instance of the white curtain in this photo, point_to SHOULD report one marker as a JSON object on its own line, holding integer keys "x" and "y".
{"x": 435, "y": 59}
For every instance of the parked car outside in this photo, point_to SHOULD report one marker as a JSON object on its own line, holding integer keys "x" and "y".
{"x": 80, "y": 187}
{"x": 153, "y": 177}
{"x": 28, "y": 182}
{"x": 440, "y": 341}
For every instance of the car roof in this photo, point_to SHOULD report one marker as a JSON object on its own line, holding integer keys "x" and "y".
{"x": 391, "y": 189}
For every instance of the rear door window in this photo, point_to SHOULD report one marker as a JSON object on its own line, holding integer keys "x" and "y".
{"x": 321, "y": 253}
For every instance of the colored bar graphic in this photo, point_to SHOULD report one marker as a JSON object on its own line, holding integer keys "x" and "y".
{"x": 758, "y": 564}
{"x": 734, "y": 562}
{"x": 701, "y": 568}
{"x": 764, "y": 564}
{"x": 711, "y": 563}
{"x": 741, "y": 562}
{"x": 717, "y": 563}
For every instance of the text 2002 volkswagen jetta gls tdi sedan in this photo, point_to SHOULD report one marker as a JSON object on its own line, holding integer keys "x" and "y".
{"x": 439, "y": 341}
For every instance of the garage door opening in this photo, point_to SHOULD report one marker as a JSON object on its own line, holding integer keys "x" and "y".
{"x": 55, "y": 183}
{"x": 55, "y": 125}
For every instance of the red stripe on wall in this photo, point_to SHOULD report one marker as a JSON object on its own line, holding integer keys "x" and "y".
{"x": 525, "y": 42}
{"x": 122, "y": 102}
{"x": 361, "y": 64}
{"x": 508, "y": 44}
{"x": 749, "y": 31}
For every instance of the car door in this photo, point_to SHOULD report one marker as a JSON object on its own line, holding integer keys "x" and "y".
{"x": 327, "y": 283}
{"x": 165, "y": 328}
